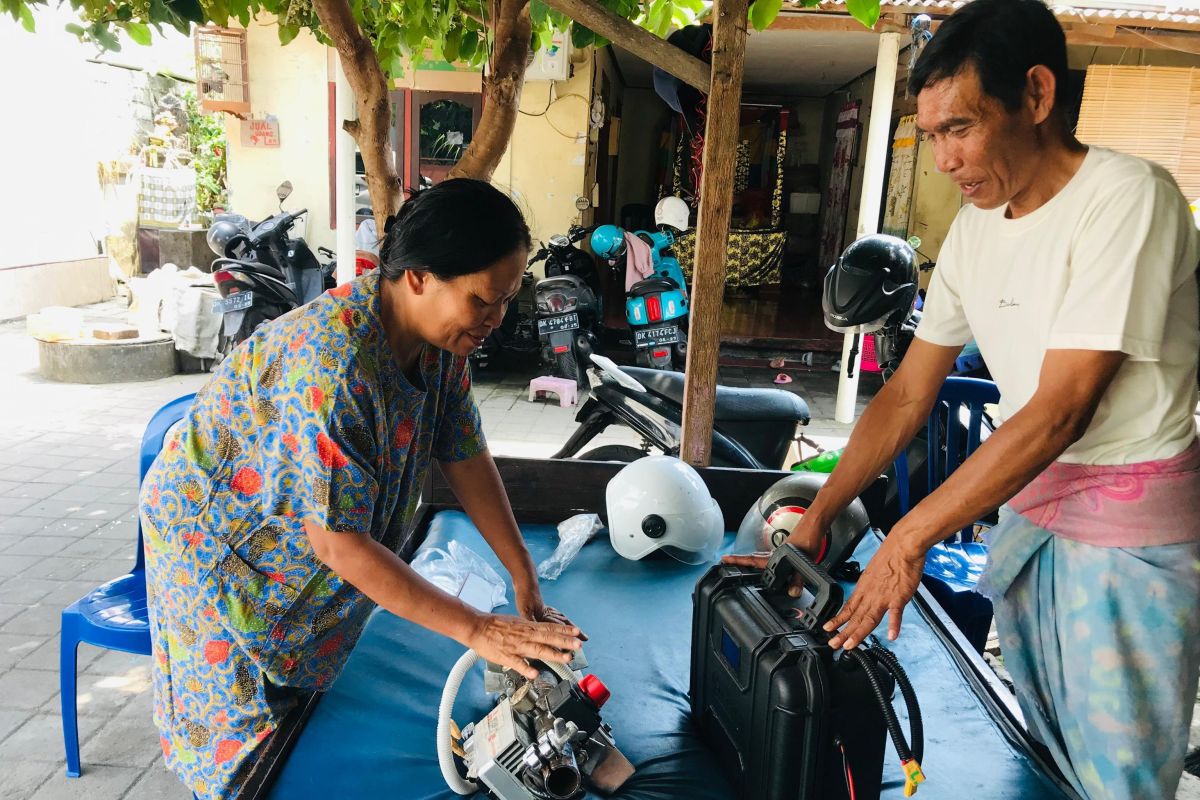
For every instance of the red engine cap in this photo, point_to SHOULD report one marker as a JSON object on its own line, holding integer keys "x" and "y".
{"x": 595, "y": 689}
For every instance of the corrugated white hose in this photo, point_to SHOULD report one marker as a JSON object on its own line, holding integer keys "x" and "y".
{"x": 457, "y": 783}
{"x": 445, "y": 753}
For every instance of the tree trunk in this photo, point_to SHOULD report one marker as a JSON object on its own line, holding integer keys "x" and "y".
{"x": 501, "y": 92}
{"x": 372, "y": 128}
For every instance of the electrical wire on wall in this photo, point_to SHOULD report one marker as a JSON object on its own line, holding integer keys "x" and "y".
{"x": 552, "y": 99}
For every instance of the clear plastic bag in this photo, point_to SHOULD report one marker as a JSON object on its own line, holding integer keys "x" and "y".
{"x": 573, "y": 533}
{"x": 463, "y": 573}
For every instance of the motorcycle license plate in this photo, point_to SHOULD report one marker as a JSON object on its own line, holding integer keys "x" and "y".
{"x": 563, "y": 322}
{"x": 238, "y": 301}
{"x": 653, "y": 337}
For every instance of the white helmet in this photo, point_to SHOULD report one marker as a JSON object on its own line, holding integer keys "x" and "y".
{"x": 659, "y": 502}
{"x": 672, "y": 211}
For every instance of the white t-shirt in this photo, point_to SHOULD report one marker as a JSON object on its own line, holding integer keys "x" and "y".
{"x": 1109, "y": 263}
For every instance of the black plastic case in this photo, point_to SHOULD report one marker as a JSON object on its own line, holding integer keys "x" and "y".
{"x": 767, "y": 693}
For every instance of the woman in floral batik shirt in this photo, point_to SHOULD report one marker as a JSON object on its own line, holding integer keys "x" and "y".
{"x": 274, "y": 518}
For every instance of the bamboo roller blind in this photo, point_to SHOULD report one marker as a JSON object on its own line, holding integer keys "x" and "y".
{"x": 1151, "y": 112}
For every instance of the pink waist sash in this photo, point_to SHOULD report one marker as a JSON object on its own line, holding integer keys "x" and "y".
{"x": 1147, "y": 504}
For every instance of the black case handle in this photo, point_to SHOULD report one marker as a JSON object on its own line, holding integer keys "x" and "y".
{"x": 788, "y": 560}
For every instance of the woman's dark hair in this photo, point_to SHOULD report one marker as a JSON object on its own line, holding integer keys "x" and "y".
{"x": 1003, "y": 40}
{"x": 458, "y": 227}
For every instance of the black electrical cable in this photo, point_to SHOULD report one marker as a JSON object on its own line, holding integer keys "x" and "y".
{"x": 916, "y": 725}
{"x": 889, "y": 714}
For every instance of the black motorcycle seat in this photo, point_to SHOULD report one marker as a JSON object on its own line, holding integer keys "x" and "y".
{"x": 652, "y": 286}
{"x": 252, "y": 267}
{"x": 561, "y": 282}
{"x": 733, "y": 405}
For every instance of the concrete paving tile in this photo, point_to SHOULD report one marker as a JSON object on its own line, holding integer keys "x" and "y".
{"x": 72, "y": 527}
{"x": 102, "y": 511}
{"x": 104, "y": 570}
{"x": 46, "y": 656}
{"x": 27, "y": 689}
{"x": 43, "y": 619}
{"x": 21, "y": 590}
{"x": 35, "y": 491}
{"x": 81, "y": 493}
{"x": 18, "y": 525}
{"x": 129, "y": 739}
{"x": 106, "y": 695}
{"x": 94, "y": 546}
{"x": 37, "y": 544}
{"x": 106, "y": 479}
{"x": 17, "y": 565}
{"x": 114, "y": 662}
{"x": 20, "y": 473}
{"x": 15, "y": 646}
{"x": 55, "y": 567}
{"x": 96, "y": 782}
{"x": 7, "y": 541}
{"x": 10, "y": 506}
{"x": 10, "y": 720}
{"x": 10, "y": 610}
{"x": 21, "y": 780}
{"x": 159, "y": 783}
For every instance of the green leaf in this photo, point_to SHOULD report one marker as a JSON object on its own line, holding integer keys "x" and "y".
{"x": 764, "y": 12}
{"x": 451, "y": 47}
{"x": 139, "y": 32}
{"x": 415, "y": 35}
{"x": 78, "y": 30}
{"x": 539, "y": 12}
{"x": 104, "y": 37}
{"x": 582, "y": 37}
{"x": 27, "y": 19}
{"x": 468, "y": 47}
{"x": 188, "y": 9}
{"x": 288, "y": 32}
{"x": 865, "y": 11}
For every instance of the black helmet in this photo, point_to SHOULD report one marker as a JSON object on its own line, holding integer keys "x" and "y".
{"x": 224, "y": 236}
{"x": 873, "y": 284}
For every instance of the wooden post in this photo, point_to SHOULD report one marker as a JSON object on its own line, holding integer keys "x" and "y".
{"x": 712, "y": 229}
{"x": 639, "y": 41}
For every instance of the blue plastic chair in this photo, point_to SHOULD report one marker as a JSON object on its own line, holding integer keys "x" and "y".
{"x": 953, "y": 568}
{"x": 112, "y": 616}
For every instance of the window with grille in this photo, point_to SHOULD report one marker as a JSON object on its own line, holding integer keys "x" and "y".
{"x": 1150, "y": 112}
{"x": 222, "y": 81}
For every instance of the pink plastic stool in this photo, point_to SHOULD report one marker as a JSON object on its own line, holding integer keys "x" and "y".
{"x": 565, "y": 388}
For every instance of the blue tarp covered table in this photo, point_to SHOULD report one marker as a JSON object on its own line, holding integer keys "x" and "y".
{"x": 371, "y": 737}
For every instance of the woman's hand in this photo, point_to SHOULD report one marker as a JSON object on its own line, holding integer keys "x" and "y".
{"x": 509, "y": 641}
{"x": 531, "y": 606}
{"x": 887, "y": 584}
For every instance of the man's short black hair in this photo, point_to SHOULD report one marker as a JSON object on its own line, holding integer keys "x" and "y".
{"x": 1003, "y": 40}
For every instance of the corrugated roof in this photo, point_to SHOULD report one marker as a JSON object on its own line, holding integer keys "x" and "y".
{"x": 1143, "y": 15}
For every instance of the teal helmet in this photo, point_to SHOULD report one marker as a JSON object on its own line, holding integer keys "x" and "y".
{"x": 608, "y": 241}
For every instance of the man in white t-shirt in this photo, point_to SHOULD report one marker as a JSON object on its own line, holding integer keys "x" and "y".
{"x": 1075, "y": 270}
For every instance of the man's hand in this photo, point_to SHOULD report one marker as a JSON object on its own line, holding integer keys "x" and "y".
{"x": 510, "y": 641}
{"x": 887, "y": 584}
{"x": 808, "y": 536}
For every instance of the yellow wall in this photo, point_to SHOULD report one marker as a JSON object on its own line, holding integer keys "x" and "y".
{"x": 546, "y": 164}
{"x": 936, "y": 200}
{"x": 291, "y": 83}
